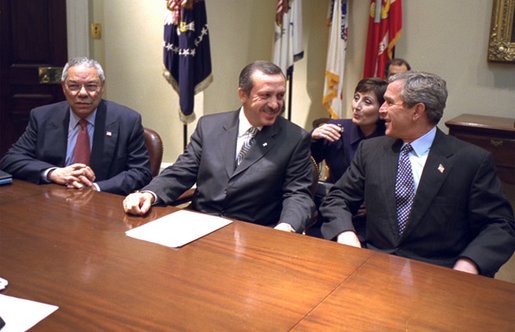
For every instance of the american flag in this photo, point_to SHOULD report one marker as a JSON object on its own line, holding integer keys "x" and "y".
{"x": 288, "y": 45}
{"x": 186, "y": 52}
{"x": 335, "y": 65}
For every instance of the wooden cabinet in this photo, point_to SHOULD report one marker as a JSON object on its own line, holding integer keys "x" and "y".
{"x": 494, "y": 134}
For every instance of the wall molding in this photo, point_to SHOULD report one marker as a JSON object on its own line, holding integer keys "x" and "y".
{"x": 77, "y": 24}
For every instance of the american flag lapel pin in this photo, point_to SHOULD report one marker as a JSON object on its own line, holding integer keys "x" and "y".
{"x": 108, "y": 133}
{"x": 441, "y": 168}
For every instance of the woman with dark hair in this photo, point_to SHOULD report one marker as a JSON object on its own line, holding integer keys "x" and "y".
{"x": 337, "y": 140}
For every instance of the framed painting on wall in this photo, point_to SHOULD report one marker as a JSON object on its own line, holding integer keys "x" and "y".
{"x": 501, "y": 46}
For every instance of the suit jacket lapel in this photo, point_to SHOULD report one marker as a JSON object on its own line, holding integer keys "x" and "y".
{"x": 433, "y": 176}
{"x": 389, "y": 175}
{"x": 228, "y": 141}
{"x": 57, "y": 132}
{"x": 105, "y": 138}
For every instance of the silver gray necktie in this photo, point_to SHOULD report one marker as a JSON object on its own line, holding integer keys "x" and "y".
{"x": 251, "y": 132}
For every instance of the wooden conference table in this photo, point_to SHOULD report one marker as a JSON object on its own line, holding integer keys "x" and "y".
{"x": 69, "y": 248}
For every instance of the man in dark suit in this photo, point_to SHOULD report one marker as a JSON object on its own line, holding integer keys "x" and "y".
{"x": 114, "y": 157}
{"x": 457, "y": 215}
{"x": 271, "y": 184}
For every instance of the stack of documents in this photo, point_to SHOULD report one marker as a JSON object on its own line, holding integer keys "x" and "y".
{"x": 20, "y": 314}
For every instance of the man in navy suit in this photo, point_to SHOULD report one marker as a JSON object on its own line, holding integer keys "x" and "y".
{"x": 459, "y": 217}
{"x": 271, "y": 184}
{"x": 117, "y": 158}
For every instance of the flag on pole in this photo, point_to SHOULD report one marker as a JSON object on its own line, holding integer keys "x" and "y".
{"x": 288, "y": 46}
{"x": 384, "y": 30}
{"x": 186, "y": 52}
{"x": 333, "y": 82}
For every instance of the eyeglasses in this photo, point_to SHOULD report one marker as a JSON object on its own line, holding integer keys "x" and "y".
{"x": 76, "y": 87}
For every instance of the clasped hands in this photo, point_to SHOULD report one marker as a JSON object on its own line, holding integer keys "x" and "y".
{"x": 75, "y": 176}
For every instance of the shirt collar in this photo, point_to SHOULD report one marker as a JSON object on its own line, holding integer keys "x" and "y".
{"x": 74, "y": 119}
{"x": 244, "y": 124}
{"x": 422, "y": 144}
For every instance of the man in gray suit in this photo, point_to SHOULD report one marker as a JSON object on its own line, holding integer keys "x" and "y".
{"x": 269, "y": 185}
{"x": 455, "y": 214}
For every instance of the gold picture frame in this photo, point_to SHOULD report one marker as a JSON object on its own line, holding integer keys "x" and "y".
{"x": 501, "y": 46}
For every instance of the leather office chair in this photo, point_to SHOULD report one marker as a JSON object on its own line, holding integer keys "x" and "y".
{"x": 316, "y": 174}
{"x": 322, "y": 166}
{"x": 155, "y": 149}
{"x": 320, "y": 174}
{"x": 155, "y": 152}
{"x": 314, "y": 187}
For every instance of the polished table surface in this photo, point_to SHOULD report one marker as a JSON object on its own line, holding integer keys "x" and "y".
{"x": 69, "y": 248}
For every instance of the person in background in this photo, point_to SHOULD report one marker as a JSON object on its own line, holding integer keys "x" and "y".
{"x": 250, "y": 164}
{"x": 435, "y": 198}
{"x": 337, "y": 140}
{"x": 83, "y": 142}
{"x": 397, "y": 65}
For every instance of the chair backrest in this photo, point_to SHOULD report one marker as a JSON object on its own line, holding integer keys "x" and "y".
{"x": 316, "y": 172}
{"x": 155, "y": 149}
{"x": 324, "y": 171}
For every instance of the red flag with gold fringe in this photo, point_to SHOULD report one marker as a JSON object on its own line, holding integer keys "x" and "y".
{"x": 384, "y": 30}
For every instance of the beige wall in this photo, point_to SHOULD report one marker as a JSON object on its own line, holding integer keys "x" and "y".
{"x": 449, "y": 38}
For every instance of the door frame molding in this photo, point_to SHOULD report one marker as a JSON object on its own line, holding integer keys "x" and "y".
{"x": 77, "y": 23}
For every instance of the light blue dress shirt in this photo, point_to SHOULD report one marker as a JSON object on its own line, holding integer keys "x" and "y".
{"x": 419, "y": 154}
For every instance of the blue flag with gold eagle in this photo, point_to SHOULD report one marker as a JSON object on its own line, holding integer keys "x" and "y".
{"x": 186, "y": 52}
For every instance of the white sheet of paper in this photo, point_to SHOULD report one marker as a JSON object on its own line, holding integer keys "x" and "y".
{"x": 178, "y": 228}
{"x": 20, "y": 315}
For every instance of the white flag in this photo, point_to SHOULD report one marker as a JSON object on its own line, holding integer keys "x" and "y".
{"x": 288, "y": 46}
{"x": 333, "y": 82}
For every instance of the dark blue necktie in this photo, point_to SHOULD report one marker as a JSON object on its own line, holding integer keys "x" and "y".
{"x": 404, "y": 188}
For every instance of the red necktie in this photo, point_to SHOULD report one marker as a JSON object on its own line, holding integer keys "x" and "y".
{"x": 81, "y": 151}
